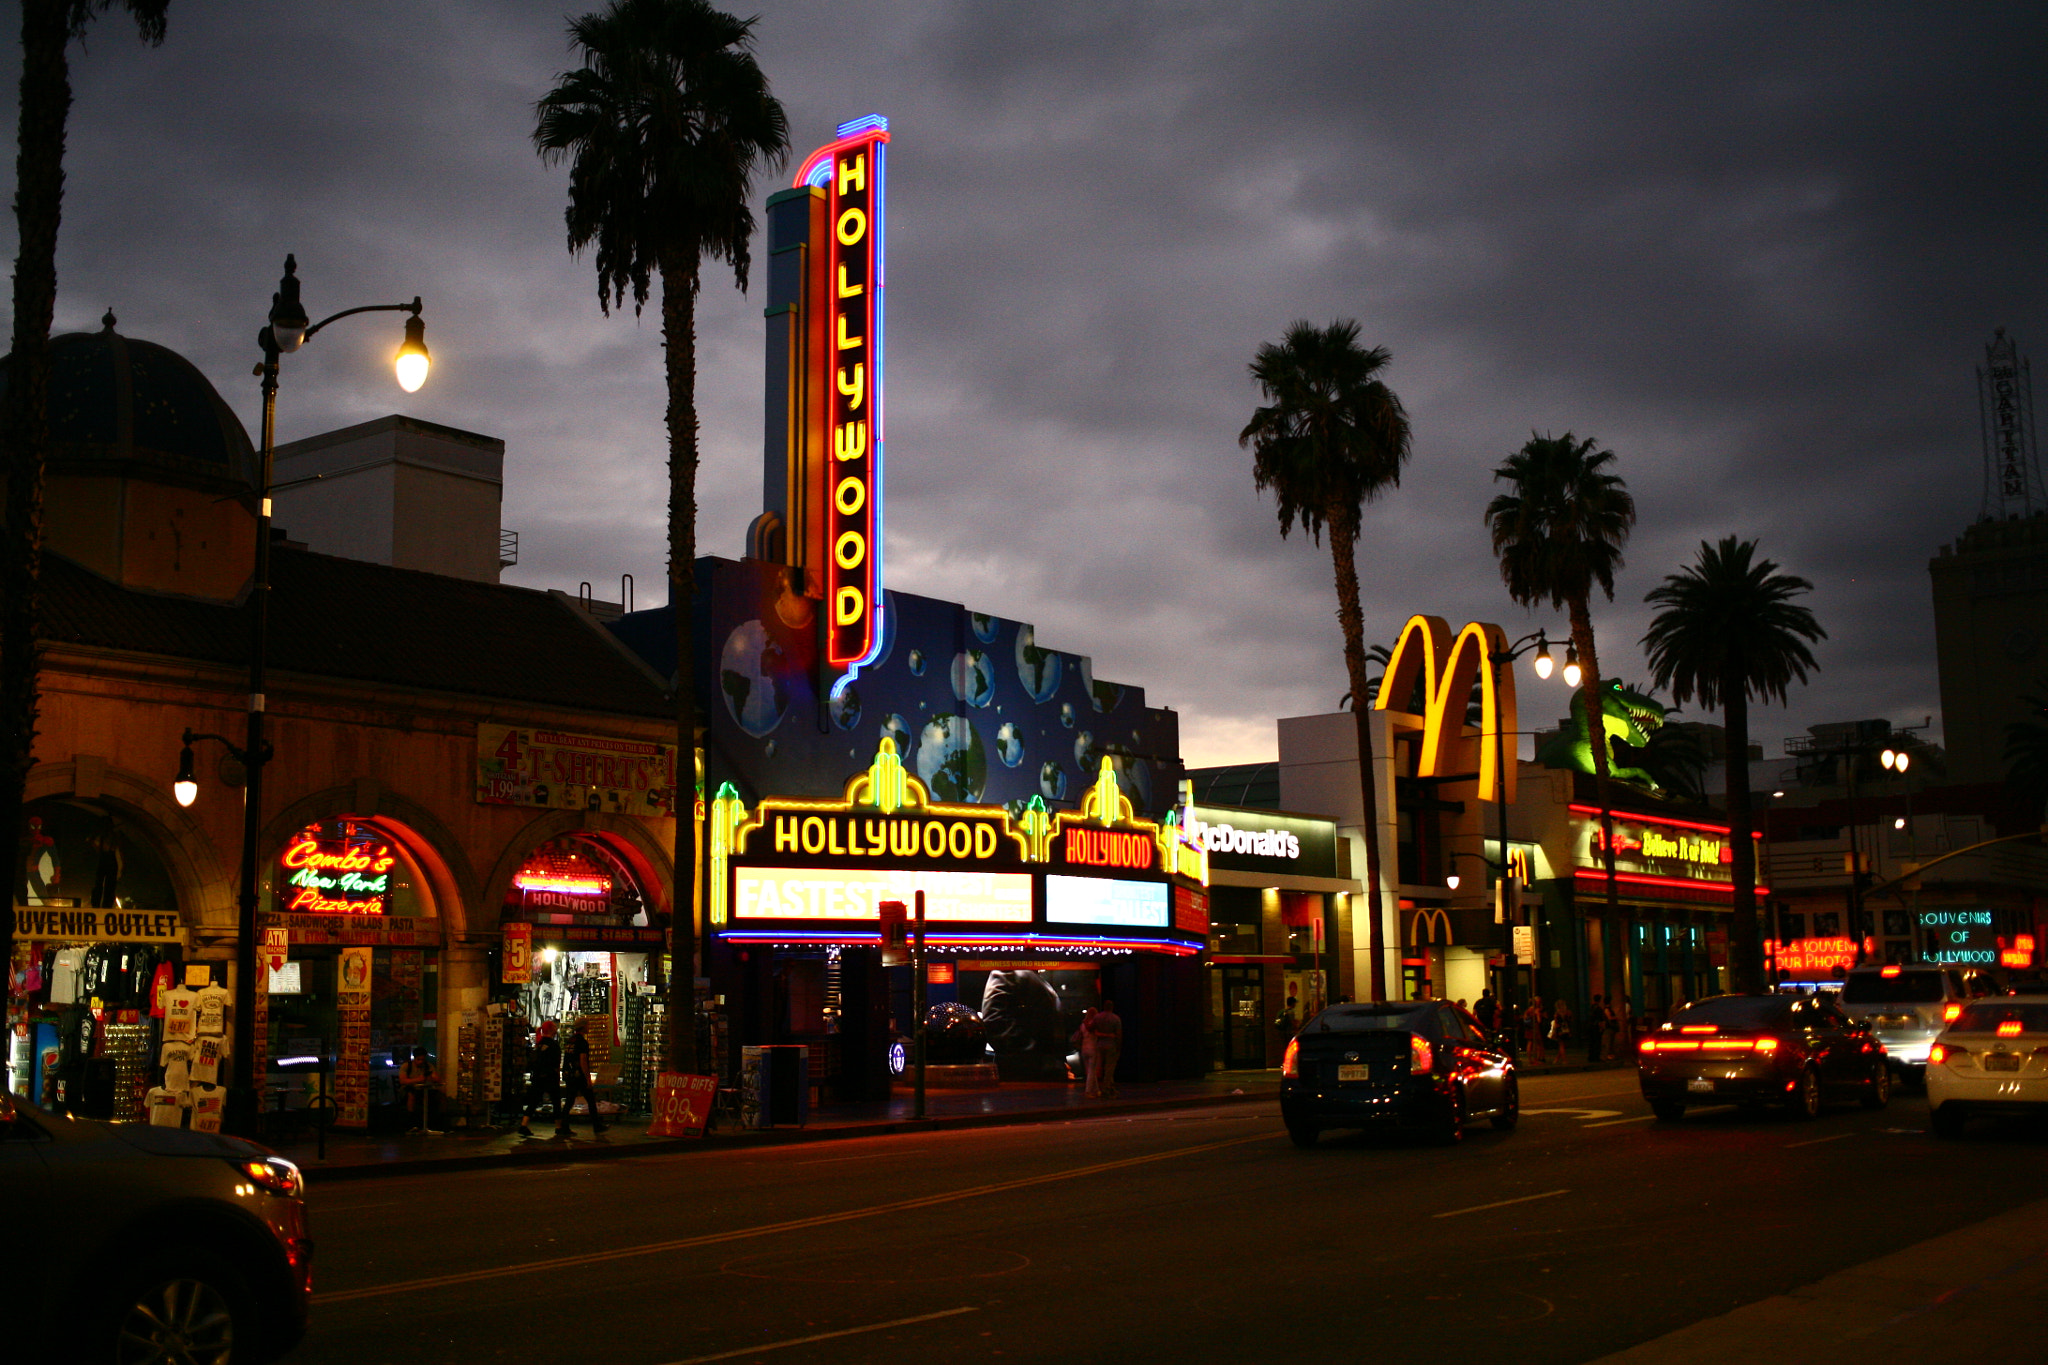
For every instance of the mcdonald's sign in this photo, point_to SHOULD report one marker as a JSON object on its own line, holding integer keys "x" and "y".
{"x": 1447, "y": 666}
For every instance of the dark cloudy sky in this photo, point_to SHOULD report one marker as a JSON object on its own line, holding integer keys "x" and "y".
{"x": 1755, "y": 249}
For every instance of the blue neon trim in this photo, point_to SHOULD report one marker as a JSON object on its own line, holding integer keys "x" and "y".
{"x": 821, "y": 174}
{"x": 1021, "y": 940}
{"x": 878, "y": 122}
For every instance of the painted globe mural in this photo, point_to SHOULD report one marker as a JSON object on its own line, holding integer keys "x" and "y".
{"x": 951, "y": 759}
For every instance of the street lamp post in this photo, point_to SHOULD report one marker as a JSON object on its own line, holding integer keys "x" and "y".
{"x": 1500, "y": 659}
{"x": 286, "y": 330}
{"x": 1897, "y": 761}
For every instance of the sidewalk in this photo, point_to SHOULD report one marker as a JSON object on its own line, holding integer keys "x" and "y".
{"x": 362, "y": 1156}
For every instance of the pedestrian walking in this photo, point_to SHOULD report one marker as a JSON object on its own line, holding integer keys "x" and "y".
{"x": 418, "y": 1080}
{"x": 1561, "y": 1028}
{"x": 544, "y": 1069}
{"x": 1108, "y": 1032}
{"x": 576, "y": 1080}
{"x": 1532, "y": 1029}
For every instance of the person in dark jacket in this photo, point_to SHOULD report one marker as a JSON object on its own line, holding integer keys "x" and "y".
{"x": 544, "y": 1067}
{"x": 576, "y": 1080}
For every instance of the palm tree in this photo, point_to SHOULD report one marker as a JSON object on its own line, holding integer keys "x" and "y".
{"x": 664, "y": 127}
{"x": 1331, "y": 438}
{"x": 1558, "y": 534}
{"x": 47, "y": 30}
{"x": 1728, "y": 631}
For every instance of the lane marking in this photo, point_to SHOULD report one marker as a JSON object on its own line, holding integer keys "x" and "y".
{"x": 1586, "y": 1113}
{"x": 767, "y": 1229}
{"x": 824, "y": 1336}
{"x": 1500, "y": 1204}
{"x": 1815, "y": 1142}
{"x": 1611, "y": 1123}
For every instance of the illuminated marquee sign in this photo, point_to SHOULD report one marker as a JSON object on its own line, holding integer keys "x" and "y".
{"x": 1960, "y": 938}
{"x": 1446, "y": 667}
{"x": 1657, "y": 851}
{"x": 851, "y": 171}
{"x": 797, "y": 859}
{"x": 324, "y": 876}
{"x": 1811, "y": 958}
{"x": 1103, "y": 900}
{"x": 856, "y": 893}
{"x": 1264, "y": 841}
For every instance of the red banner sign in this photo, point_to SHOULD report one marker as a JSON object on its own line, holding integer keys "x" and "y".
{"x": 682, "y": 1104}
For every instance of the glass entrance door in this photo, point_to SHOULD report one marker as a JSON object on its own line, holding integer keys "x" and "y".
{"x": 1244, "y": 1017}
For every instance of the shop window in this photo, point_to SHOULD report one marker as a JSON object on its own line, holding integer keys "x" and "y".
{"x": 81, "y": 854}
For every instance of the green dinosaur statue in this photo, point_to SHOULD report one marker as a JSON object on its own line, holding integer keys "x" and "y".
{"x": 1629, "y": 717}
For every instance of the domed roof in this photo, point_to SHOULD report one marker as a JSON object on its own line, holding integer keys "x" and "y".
{"x": 120, "y": 406}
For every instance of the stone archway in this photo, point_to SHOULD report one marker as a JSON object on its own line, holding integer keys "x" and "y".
{"x": 203, "y": 880}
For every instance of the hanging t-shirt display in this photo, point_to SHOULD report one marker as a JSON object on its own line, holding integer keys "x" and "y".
{"x": 206, "y": 1059}
{"x": 166, "y": 1108}
{"x": 64, "y": 976}
{"x": 181, "y": 1015}
{"x": 176, "y": 1060}
{"x": 206, "y": 1107}
{"x": 213, "y": 1008}
{"x": 160, "y": 984}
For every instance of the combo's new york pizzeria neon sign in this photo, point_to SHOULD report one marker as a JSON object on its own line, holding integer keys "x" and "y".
{"x": 847, "y": 280}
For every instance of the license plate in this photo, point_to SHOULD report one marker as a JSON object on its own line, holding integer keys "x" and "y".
{"x": 1353, "y": 1071}
{"x": 2002, "y": 1062}
{"x": 1700, "y": 1085}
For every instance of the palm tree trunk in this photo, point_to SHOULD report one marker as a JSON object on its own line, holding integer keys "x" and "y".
{"x": 679, "y": 348}
{"x": 1343, "y": 544}
{"x": 1746, "y": 942}
{"x": 24, "y": 418}
{"x": 1596, "y": 730}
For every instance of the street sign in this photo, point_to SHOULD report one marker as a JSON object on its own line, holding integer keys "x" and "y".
{"x": 277, "y": 946}
{"x": 1525, "y": 944}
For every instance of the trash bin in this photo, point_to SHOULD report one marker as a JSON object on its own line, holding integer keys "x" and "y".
{"x": 775, "y": 1085}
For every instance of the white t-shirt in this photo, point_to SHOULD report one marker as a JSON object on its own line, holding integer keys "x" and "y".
{"x": 166, "y": 1108}
{"x": 181, "y": 1014}
{"x": 176, "y": 1060}
{"x": 206, "y": 1107}
{"x": 213, "y": 1010}
{"x": 206, "y": 1055}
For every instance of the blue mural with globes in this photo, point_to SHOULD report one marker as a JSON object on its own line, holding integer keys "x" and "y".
{"x": 980, "y": 710}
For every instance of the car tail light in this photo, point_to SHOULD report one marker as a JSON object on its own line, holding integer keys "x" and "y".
{"x": 2009, "y": 1029}
{"x": 273, "y": 1175}
{"x": 1290, "y": 1060}
{"x": 1765, "y": 1045}
{"x": 1949, "y": 1013}
{"x": 1941, "y": 1052}
{"x": 1420, "y": 1058}
{"x": 1671, "y": 1045}
{"x": 1889, "y": 972}
{"x": 1698, "y": 1028}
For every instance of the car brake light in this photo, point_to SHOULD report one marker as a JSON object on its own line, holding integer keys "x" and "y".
{"x": 1697, "y": 1028}
{"x": 1290, "y": 1060}
{"x": 1889, "y": 972}
{"x": 1765, "y": 1045}
{"x": 1949, "y": 1013}
{"x": 1420, "y": 1058}
{"x": 2009, "y": 1029}
{"x": 1941, "y": 1052}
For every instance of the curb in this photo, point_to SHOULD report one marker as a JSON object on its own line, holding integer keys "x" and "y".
{"x": 543, "y": 1153}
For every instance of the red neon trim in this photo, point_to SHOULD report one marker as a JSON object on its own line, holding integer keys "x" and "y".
{"x": 1638, "y": 879}
{"x": 1578, "y": 809}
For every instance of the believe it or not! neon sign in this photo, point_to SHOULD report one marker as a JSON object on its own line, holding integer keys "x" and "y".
{"x": 851, "y": 172}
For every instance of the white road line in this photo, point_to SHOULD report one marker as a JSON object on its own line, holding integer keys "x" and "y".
{"x": 822, "y": 1336}
{"x": 1501, "y": 1204}
{"x": 1814, "y": 1142}
{"x": 1583, "y": 1113}
{"x": 1610, "y": 1123}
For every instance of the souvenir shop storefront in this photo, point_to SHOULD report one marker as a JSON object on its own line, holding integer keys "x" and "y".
{"x": 583, "y": 937}
{"x": 99, "y": 948}
{"x": 1028, "y": 923}
{"x": 1279, "y": 941}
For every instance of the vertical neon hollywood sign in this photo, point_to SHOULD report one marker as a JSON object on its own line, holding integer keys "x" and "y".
{"x": 851, "y": 171}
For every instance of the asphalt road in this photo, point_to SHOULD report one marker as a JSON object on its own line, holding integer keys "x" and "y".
{"x": 1200, "y": 1234}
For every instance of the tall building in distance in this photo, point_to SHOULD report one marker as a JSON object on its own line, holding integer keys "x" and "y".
{"x": 1991, "y": 585}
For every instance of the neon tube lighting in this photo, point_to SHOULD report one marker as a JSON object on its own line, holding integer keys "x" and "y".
{"x": 995, "y": 941}
{"x": 1665, "y": 820}
{"x": 1594, "y": 874}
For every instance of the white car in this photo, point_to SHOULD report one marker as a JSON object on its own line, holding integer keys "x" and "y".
{"x": 1992, "y": 1060}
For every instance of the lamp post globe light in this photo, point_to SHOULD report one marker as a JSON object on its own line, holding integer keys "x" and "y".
{"x": 285, "y": 330}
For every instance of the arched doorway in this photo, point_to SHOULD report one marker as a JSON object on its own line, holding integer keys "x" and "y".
{"x": 348, "y": 985}
{"x": 99, "y": 943}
